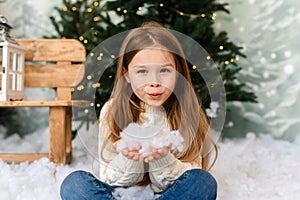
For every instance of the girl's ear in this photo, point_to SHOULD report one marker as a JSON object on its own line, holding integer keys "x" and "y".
{"x": 124, "y": 71}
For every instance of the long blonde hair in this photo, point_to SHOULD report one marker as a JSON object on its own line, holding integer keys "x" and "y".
{"x": 182, "y": 113}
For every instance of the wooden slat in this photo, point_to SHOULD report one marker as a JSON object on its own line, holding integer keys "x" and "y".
{"x": 64, "y": 93}
{"x": 53, "y": 50}
{"x": 36, "y": 103}
{"x": 57, "y": 125}
{"x": 68, "y": 134}
{"x": 53, "y": 76}
{"x": 17, "y": 158}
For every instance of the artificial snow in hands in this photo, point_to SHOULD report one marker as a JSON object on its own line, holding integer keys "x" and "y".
{"x": 147, "y": 136}
{"x": 250, "y": 168}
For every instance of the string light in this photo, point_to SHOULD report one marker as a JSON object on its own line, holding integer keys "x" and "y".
{"x": 100, "y": 56}
{"x": 91, "y": 54}
{"x": 89, "y": 9}
{"x": 203, "y": 15}
{"x": 81, "y": 87}
{"x": 112, "y": 56}
{"x": 92, "y": 104}
{"x": 237, "y": 58}
{"x": 98, "y": 105}
{"x": 221, "y": 47}
{"x": 110, "y": 76}
{"x": 80, "y": 38}
{"x": 86, "y": 110}
{"x": 226, "y": 62}
{"x": 85, "y": 41}
{"x": 96, "y": 19}
{"x": 119, "y": 9}
{"x": 213, "y": 17}
{"x": 89, "y": 77}
{"x": 74, "y": 8}
{"x": 96, "y": 3}
{"x": 232, "y": 60}
{"x": 65, "y": 8}
{"x": 207, "y": 57}
{"x": 194, "y": 67}
{"x": 96, "y": 85}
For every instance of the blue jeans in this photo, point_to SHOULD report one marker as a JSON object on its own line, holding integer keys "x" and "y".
{"x": 193, "y": 184}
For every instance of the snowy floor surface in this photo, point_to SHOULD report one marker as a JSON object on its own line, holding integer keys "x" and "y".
{"x": 257, "y": 168}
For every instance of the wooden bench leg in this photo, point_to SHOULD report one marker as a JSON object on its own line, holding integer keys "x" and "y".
{"x": 60, "y": 125}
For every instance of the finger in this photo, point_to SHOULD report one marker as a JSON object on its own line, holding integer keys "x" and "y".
{"x": 131, "y": 154}
{"x": 148, "y": 159}
{"x": 156, "y": 156}
{"x": 125, "y": 152}
{"x": 154, "y": 150}
{"x": 163, "y": 151}
{"x": 136, "y": 157}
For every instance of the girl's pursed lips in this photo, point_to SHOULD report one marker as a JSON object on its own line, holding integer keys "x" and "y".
{"x": 155, "y": 95}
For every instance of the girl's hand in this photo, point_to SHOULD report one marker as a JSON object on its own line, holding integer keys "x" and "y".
{"x": 130, "y": 154}
{"x": 157, "y": 153}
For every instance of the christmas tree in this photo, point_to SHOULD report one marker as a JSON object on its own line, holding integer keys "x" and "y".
{"x": 270, "y": 69}
{"x": 91, "y": 22}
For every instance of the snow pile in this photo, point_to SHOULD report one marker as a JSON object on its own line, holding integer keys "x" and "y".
{"x": 249, "y": 168}
{"x": 258, "y": 168}
{"x": 135, "y": 193}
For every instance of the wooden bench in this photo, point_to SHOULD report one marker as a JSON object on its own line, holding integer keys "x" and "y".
{"x": 52, "y": 63}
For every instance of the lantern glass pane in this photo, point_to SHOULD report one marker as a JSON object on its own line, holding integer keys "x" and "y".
{"x": 10, "y": 82}
{"x": 19, "y": 63}
{"x": 15, "y": 82}
{"x": 19, "y": 82}
{"x": 12, "y": 61}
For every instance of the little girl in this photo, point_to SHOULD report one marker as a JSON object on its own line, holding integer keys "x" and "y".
{"x": 152, "y": 85}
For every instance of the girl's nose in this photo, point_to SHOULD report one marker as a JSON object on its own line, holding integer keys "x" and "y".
{"x": 154, "y": 84}
{"x": 154, "y": 80}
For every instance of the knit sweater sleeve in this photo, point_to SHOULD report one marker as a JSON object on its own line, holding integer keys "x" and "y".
{"x": 165, "y": 171}
{"x": 115, "y": 168}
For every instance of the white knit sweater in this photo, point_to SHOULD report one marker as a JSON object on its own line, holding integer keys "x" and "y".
{"x": 118, "y": 170}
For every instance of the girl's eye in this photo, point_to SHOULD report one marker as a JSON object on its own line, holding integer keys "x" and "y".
{"x": 165, "y": 70}
{"x": 142, "y": 71}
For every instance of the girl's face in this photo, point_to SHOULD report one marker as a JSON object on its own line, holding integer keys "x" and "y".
{"x": 152, "y": 75}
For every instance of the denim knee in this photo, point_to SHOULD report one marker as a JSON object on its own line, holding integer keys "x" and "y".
{"x": 69, "y": 182}
{"x": 199, "y": 177}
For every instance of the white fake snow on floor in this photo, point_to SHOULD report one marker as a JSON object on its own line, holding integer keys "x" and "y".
{"x": 250, "y": 168}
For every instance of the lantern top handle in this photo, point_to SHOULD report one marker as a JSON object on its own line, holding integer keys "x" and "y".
{"x": 4, "y": 31}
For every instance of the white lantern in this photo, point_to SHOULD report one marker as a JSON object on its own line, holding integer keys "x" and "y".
{"x": 12, "y": 65}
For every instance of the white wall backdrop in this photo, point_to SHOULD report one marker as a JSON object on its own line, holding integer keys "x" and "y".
{"x": 269, "y": 32}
